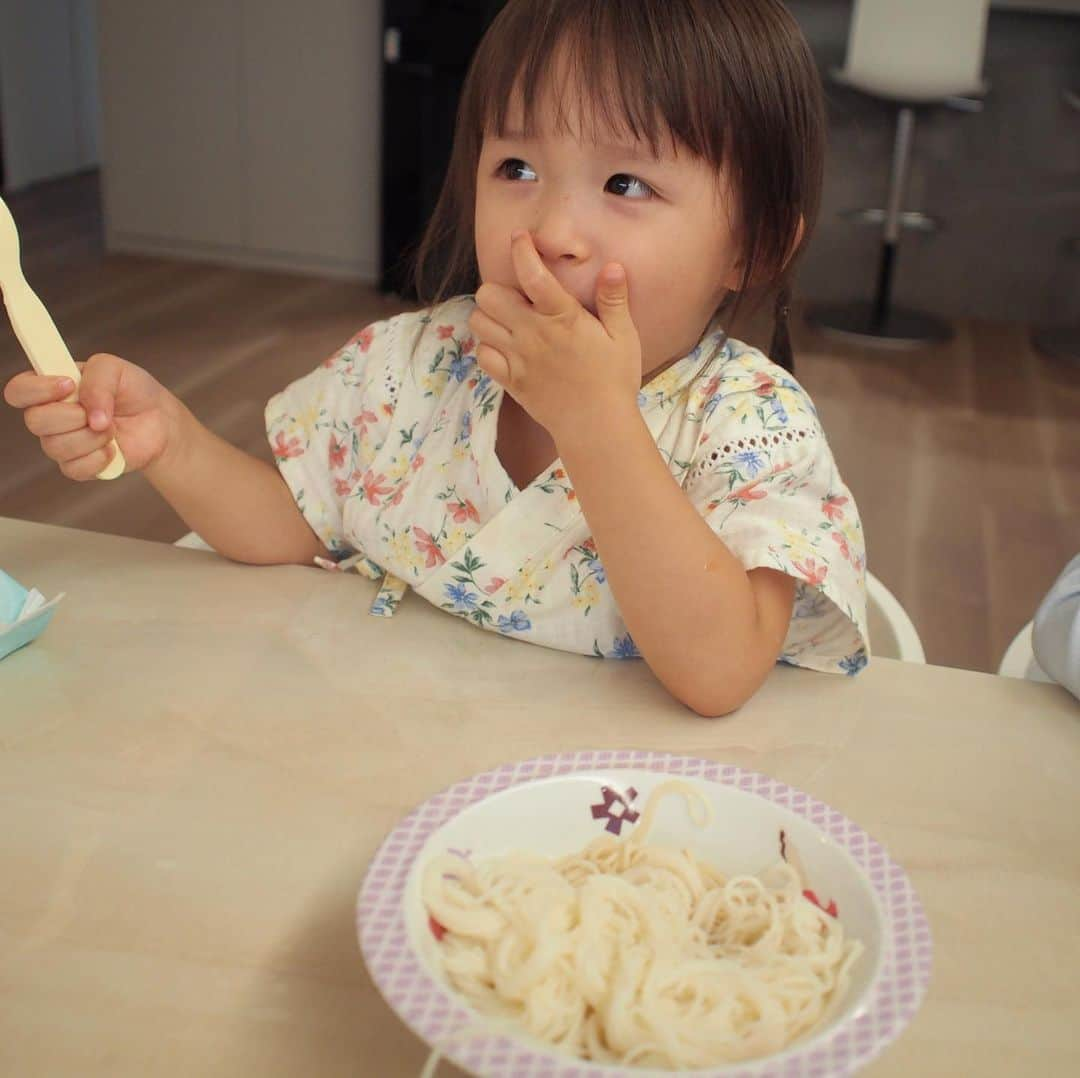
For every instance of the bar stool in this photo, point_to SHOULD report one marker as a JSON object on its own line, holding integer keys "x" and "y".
{"x": 1056, "y": 340}
{"x": 916, "y": 53}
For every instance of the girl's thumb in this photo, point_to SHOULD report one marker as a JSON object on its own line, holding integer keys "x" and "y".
{"x": 613, "y": 299}
{"x": 98, "y": 390}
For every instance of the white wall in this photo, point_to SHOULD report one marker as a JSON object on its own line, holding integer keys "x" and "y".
{"x": 48, "y": 89}
{"x": 243, "y": 131}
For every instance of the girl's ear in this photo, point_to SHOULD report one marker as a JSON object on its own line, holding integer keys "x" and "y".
{"x": 733, "y": 281}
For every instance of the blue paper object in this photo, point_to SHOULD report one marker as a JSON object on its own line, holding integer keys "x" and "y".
{"x": 23, "y": 614}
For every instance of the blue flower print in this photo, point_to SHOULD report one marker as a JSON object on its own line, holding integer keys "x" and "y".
{"x": 854, "y": 663}
{"x": 518, "y": 622}
{"x": 466, "y": 427}
{"x": 463, "y": 599}
{"x": 778, "y": 410}
{"x": 749, "y": 463}
{"x": 460, "y": 367}
{"x": 624, "y": 648}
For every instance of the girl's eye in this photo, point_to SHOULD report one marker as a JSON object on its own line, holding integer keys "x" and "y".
{"x": 628, "y": 186}
{"x": 514, "y": 168}
{"x": 622, "y": 184}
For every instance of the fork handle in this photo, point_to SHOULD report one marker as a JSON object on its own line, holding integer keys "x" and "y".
{"x": 45, "y": 348}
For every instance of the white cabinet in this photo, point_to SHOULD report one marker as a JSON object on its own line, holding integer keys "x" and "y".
{"x": 243, "y": 131}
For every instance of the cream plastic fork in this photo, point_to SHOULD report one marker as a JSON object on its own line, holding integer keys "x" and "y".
{"x": 35, "y": 329}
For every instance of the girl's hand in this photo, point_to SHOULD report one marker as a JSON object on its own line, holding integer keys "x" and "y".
{"x": 115, "y": 399}
{"x": 562, "y": 365}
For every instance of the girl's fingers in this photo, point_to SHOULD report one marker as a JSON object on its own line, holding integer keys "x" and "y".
{"x": 67, "y": 448}
{"x": 87, "y": 467}
{"x": 488, "y": 331}
{"x": 494, "y": 363}
{"x": 505, "y": 305}
{"x": 27, "y": 389}
{"x": 48, "y": 419}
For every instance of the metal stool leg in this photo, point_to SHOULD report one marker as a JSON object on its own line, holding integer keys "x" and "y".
{"x": 879, "y": 323}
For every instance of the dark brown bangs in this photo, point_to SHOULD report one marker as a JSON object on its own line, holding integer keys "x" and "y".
{"x": 611, "y": 70}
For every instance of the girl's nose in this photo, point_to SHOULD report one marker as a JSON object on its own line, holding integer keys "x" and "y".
{"x": 556, "y": 233}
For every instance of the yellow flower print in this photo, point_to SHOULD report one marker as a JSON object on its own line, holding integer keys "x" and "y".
{"x": 799, "y": 543}
{"x": 588, "y": 595}
{"x": 402, "y": 549}
{"x": 523, "y": 585}
{"x": 399, "y": 468}
{"x": 307, "y": 419}
{"x": 455, "y": 539}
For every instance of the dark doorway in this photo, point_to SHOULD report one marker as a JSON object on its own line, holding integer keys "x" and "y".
{"x": 427, "y": 46}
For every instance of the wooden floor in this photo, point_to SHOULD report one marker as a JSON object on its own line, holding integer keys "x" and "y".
{"x": 964, "y": 459}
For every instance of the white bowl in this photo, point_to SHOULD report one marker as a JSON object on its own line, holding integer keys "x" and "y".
{"x": 546, "y": 806}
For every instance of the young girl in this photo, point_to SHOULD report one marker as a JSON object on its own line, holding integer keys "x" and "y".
{"x": 569, "y": 450}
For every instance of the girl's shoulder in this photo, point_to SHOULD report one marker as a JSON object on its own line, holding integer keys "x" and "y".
{"x": 742, "y": 388}
{"x": 407, "y": 332}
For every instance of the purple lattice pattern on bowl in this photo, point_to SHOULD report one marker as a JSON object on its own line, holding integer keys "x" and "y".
{"x": 435, "y": 1015}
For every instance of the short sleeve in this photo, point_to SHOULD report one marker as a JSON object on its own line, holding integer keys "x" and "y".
{"x": 765, "y": 481}
{"x": 326, "y": 427}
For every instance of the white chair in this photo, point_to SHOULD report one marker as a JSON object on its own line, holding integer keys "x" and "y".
{"x": 912, "y": 53}
{"x": 892, "y": 633}
{"x": 192, "y": 541}
{"x": 1019, "y": 658}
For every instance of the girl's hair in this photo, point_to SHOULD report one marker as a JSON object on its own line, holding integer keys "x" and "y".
{"x": 732, "y": 81}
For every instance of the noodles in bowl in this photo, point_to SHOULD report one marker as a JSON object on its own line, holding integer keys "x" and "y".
{"x": 633, "y": 953}
{"x": 507, "y": 920}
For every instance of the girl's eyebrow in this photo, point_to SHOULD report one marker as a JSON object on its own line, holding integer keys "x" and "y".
{"x": 631, "y": 150}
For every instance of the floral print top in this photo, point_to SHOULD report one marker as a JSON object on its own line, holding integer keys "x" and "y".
{"x": 389, "y": 450}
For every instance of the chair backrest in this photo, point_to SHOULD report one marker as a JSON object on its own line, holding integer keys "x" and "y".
{"x": 892, "y": 632}
{"x": 917, "y": 50}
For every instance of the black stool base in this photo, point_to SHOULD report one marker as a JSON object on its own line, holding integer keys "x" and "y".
{"x": 1058, "y": 342}
{"x": 900, "y": 328}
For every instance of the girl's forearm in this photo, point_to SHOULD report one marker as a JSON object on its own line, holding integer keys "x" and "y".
{"x": 240, "y": 505}
{"x": 690, "y": 606}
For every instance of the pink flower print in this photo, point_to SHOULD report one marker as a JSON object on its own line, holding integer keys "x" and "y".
{"x": 361, "y": 421}
{"x": 496, "y": 583}
{"x": 812, "y": 572}
{"x": 337, "y": 452}
{"x": 763, "y": 384}
{"x": 445, "y": 332}
{"x": 287, "y": 449}
{"x": 841, "y": 541}
{"x": 463, "y": 510}
{"x": 426, "y": 544}
{"x": 748, "y": 492}
{"x": 467, "y": 346}
{"x": 399, "y": 494}
{"x": 711, "y": 387}
{"x": 387, "y": 408}
{"x": 373, "y": 488}
{"x": 418, "y": 461}
{"x": 342, "y": 487}
{"x": 364, "y": 338}
{"x": 831, "y": 506}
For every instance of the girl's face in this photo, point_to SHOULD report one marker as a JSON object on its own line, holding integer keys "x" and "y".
{"x": 666, "y": 220}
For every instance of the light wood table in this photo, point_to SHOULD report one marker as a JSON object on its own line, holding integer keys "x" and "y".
{"x": 198, "y": 760}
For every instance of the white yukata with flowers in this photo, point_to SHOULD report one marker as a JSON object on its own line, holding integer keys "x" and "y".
{"x": 389, "y": 450}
